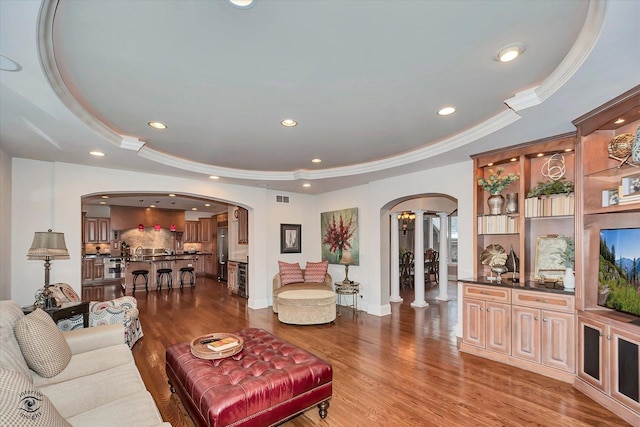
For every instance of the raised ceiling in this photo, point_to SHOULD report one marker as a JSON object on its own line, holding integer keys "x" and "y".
{"x": 363, "y": 79}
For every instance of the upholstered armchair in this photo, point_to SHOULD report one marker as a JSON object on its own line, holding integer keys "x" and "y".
{"x": 121, "y": 310}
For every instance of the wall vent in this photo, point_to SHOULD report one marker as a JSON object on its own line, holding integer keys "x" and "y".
{"x": 282, "y": 199}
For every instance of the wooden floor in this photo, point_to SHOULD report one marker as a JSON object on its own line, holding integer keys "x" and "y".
{"x": 398, "y": 370}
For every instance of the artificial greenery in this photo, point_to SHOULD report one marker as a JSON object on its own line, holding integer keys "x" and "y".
{"x": 561, "y": 186}
{"x": 568, "y": 254}
{"x": 496, "y": 182}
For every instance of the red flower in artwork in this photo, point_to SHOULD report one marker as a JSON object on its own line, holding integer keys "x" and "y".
{"x": 337, "y": 235}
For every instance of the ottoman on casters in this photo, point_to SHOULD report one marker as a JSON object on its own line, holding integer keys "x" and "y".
{"x": 266, "y": 383}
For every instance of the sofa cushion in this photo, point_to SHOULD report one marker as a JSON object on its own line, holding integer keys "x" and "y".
{"x": 137, "y": 409}
{"x": 22, "y": 404}
{"x": 290, "y": 273}
{"x": 315, "y": 272}
{"x": 10, "y": 354}
{"x": 42, "y": 343}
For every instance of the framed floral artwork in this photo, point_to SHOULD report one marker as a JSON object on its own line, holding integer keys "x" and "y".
{"x": 290, "y": 238}
{"x": 340, "y": 236}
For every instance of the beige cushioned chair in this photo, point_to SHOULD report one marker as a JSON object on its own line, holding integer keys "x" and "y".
{"x": 278, "y": 287}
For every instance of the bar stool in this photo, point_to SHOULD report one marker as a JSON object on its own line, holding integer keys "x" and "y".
{"x": 189, "y": 270}
{"x": 144, "y": 274}
{"x": 164, "y": 272}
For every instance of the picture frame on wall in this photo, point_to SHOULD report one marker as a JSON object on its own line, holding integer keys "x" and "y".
{"x": 290, "y": 238}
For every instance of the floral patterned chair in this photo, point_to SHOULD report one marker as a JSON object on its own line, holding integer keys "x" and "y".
{"x": 121, "y": 310}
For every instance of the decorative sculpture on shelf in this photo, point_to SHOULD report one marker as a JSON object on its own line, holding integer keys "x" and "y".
{"x": 513, "y": 264}
{"x": 495, "y": 257}
{"x": 554, "y": 168}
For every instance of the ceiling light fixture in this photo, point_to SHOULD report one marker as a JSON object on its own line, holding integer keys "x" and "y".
{"x": 513, "y": 159}
{"x": 97, "y": 153}
{"x": 316, "y": 160}
{"x": 446, "y": 111}
{"x": 620, "y": 120}
{"x": 289, "y": 123}
{"x": 509, "y": 52}
{"x": 157, "y": 125}
{"x": 242, "y": 4}
{"x": 8, "y": 64}
{"x": 152, "y": 206}
{"x": 567, "y": 150}
{"x": 103, "y": 203}
{"x": 207, "y": 204}
{"x": 489, "y": 164}
{"x": 214, "y": 177}
{"x": 172, "y": 195}
{"x": 306, "y": 185}
{"x": 194, "y": 209}
{"x": 540, "y": 154}
{"x": 105, "y": 197}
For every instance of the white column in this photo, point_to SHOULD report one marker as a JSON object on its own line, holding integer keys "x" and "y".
{"x": 418, "y": 271}
{"x": 395, "y": 258}
{"x": 444, "y": 256}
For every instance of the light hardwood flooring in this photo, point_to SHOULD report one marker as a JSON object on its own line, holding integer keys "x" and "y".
{"x": 398, "y": 370}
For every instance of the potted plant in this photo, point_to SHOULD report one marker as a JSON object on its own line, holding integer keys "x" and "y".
{"x": 568, "y": 256}
{"x": 494, "y": 184}
{"x": 547, "y": 188}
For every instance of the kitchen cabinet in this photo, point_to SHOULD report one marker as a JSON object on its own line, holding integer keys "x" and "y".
{"x": 206, "y": 230}
{"x": 93, "y": 293}
{"x": 200, "y": 265}
{"x": 243, "y": 280}
{"x": 210, "y": 266}
{"x": 487, "y": 318}
{"x": 191, "y": 232}
{"x": 232, "y": 277}
{"x": 243, "y": 225}
{"x": 93, "y": 268}
{"x": 97, "y": 230}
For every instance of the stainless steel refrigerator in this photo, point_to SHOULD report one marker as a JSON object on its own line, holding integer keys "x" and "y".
{"x": 223, "y": 253}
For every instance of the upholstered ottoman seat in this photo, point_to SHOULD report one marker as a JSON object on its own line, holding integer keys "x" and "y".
{"x": 307, "y": 306}
{"x": 266, "y": 383}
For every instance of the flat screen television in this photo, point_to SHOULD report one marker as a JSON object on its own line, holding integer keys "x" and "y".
{"x": 619, "y": 271}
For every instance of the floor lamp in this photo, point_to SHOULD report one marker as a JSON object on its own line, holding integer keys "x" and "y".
{"x": 47, "y": 246}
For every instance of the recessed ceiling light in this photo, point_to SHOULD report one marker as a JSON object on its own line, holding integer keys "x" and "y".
{"x": 513, "y": 159}
{"x": 97, "y": 153}
{"x": 242, "y": 4}
{"x": 316, "y": 160}
{"x": 152, "y": 206}
{"x": 540, "y": 154}
{"x": 172, "y": 195}
{"x": 207, "y": 204}
{"x": 8, "y": 64}
{"x": 620, "y": 120}
{"x": 289, "y": 123}
{"x": 509, "y": 52}
{"x": 103, "y": 203}
{"x": 105, "y": 197}
{"x": 446, "y": 111}
{"x": 566, "y": 150}
{"x": 157, "y": 125}
{"x": 214, "y": 177}
{"x": 306, "y": 185}
{"x": 194, "y": 209}
{"x": 489, "y": 164}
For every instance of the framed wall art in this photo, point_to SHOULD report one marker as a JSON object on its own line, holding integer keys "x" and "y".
{"x": 340, "y": 236}
{"x": 549, "y": 264}
{"x": 290, "y": 238}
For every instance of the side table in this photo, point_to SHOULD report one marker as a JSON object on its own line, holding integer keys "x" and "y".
{"x": 348, "y": 289}
{"x": 66, "y": 310}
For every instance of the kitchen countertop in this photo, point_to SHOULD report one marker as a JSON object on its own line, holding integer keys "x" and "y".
{"x": 555, "y": 288}
{"x": 151, "y": 258}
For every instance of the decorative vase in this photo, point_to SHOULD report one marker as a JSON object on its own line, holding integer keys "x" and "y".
{"x": 569, "y": 281}
{"x": 495, "y": 202}
{"x": 512, "y": 203}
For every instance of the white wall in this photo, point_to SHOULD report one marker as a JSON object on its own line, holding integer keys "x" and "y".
{"x": 5, "y": 226}
{"x": 48, "y": 195}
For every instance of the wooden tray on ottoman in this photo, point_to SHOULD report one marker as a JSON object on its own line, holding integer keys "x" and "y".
{"x": 203, "y": 352}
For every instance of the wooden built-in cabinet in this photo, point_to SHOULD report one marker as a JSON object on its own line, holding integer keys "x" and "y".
{"x": 93, "y": 268}
{"x": 232, "y": 277}
{"x": 487, "y": 318}
{"x": 243, "y": 225}
{"x": 97, "y": 230}
{"x": 608, "y": 341}
{"x": 206, "y": 228}
{"x": 191, "y": 232}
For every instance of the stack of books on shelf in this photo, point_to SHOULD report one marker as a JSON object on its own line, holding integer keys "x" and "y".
{"x": 628, "y": 192}
{"x": 497, "y": 224}
{"x": 554, "y": 205}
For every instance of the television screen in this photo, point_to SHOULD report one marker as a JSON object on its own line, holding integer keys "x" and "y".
{"x": 619, "y": 275}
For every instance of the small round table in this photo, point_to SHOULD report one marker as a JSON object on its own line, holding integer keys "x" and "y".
{"x": 348, "y": 289}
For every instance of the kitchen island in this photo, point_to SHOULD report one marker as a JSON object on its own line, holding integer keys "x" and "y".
{"x": 153, "y": 263}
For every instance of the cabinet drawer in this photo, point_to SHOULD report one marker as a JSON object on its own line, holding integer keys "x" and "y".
{"x": 545, "y": 301}
{"x": 487, "y": 293}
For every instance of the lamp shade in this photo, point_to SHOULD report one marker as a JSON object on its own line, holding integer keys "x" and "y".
{"x": 48, "y": 245}
{"x": 347, "y": 258}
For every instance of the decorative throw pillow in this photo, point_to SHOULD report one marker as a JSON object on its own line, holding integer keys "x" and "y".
{"x": 42, "y": 344}
{"x": 315, "y": 272}
{"x": 21, "y": 404}
{"x": 290, "y": 273}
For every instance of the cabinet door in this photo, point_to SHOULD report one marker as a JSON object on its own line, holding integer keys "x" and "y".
{"x": 498, "y": 322}
{"x": 558, "y": 342}
{"x": 208, "y": 264}
{"x": 91, "y": 230}
{"x": 526, "y": 333}
{"x": 593, "y": 362}
{"x": 473, "y": 331}
{"x": 205, "y": 230}
{"x": 98, "y": 269}
{"x": 625, "y": 367}
{"x": 87, "y": 269}
{"x": 104, "y": 230}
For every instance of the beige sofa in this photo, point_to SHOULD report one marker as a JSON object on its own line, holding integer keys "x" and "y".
{"x": 100, "y": 385}
{"x": 278, "y": 287}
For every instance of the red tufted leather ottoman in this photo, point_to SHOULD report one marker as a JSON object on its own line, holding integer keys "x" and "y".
{"x": 266, "y": 383}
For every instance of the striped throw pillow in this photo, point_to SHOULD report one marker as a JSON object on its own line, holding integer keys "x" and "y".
{"x": 42, "y": 343}
{"x": 315, "y": 272}
{"x": 290, "y": 273}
